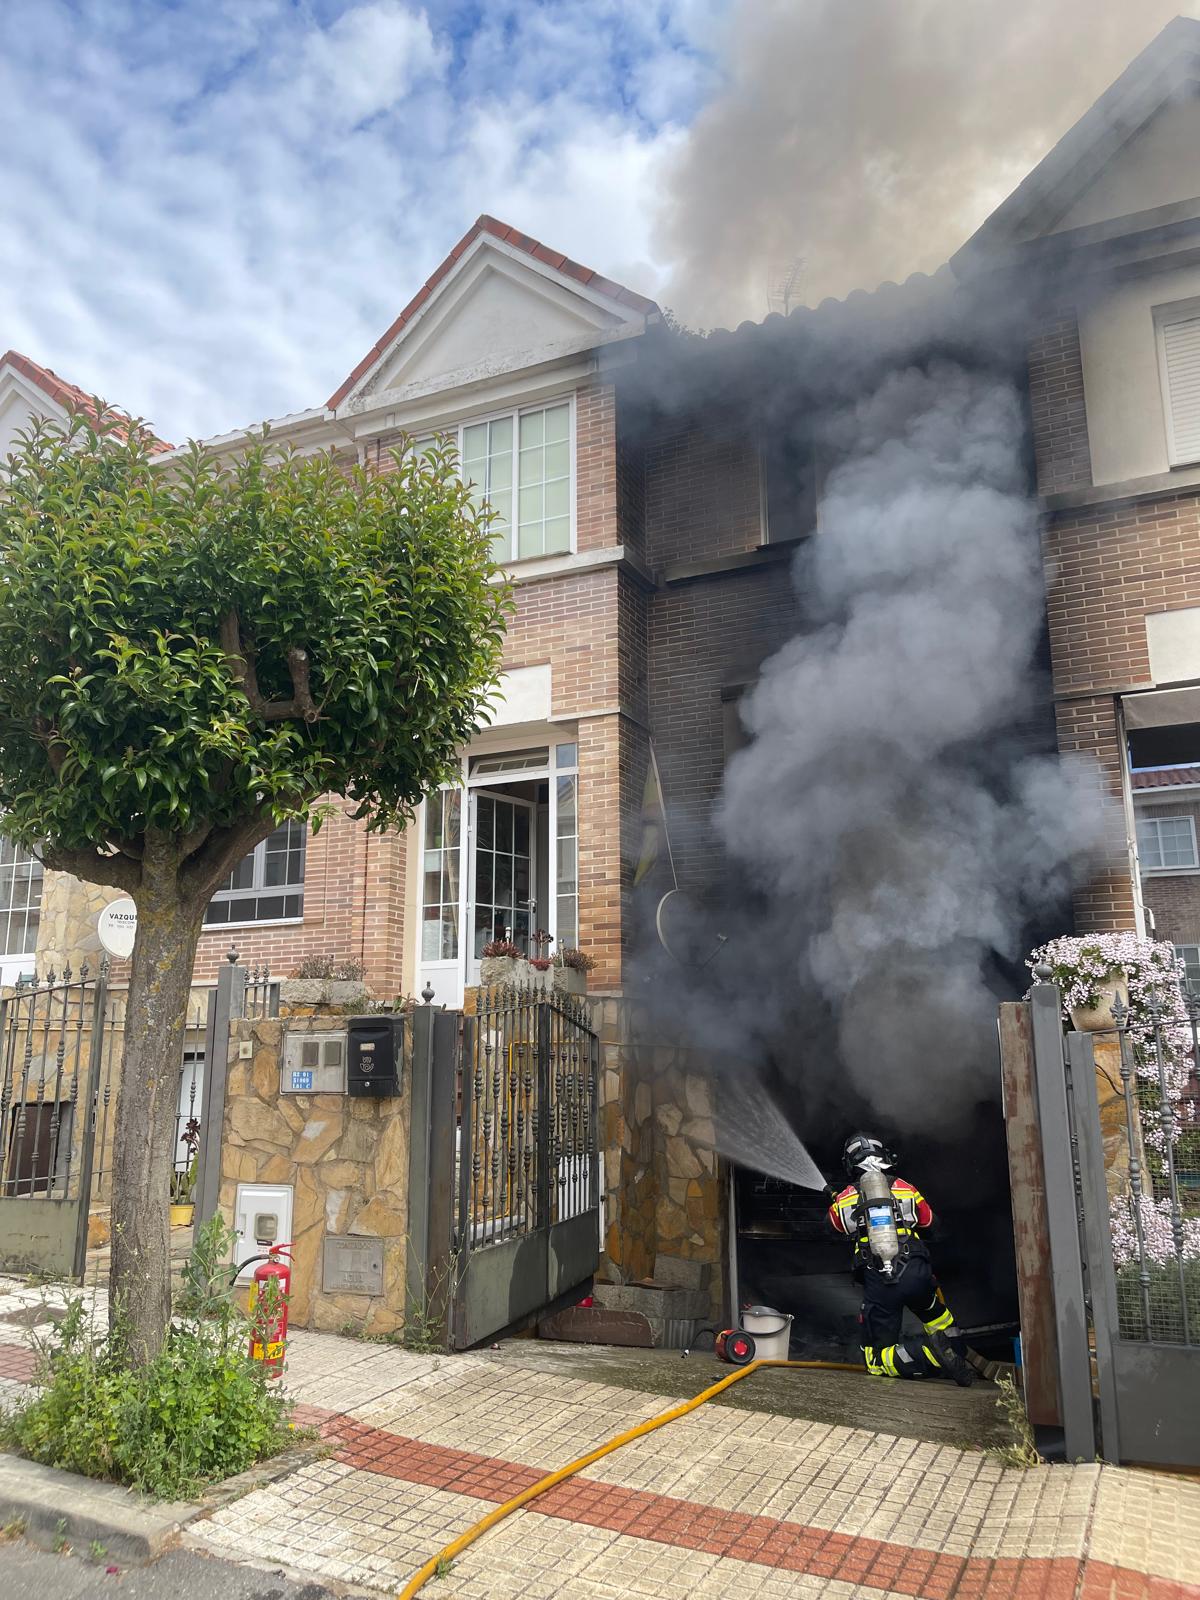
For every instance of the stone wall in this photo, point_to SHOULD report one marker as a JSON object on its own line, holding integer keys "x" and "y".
{"x": 67, "y": 935}
{"x": 346, "y": 1160}
{"x": 666, "y": 1190}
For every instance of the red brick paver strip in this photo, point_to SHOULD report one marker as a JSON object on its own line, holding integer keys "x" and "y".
{"x": 17, "y": 1362}
{"x": 877, "y": 1564}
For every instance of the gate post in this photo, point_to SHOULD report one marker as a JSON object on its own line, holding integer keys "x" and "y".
{"x": 429, "y": 1258}
{"x": 91, "y": 1116}
{"x": 224, "y": 1003}
{"x": 1062, "y": 1218}
{"x": 1101, "y": 1285}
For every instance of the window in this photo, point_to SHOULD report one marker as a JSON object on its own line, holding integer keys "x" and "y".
{"x": 20, "y": 899}
{"x": 1189, "y": 955}
{"x": 790, "y": 488}
{"x": 566, "y": 846}
{"x": 268, "y": 884}
{"x": 1166, "y": 844}
{"x": 520, "y": 463}
{"x": 439, "y": 899}
{"x": 1179, "y": 371}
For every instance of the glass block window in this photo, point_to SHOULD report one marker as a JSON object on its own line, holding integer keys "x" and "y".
{"x": 20, "y": 899}
{"x": 566, "y": 848}
{"x": 439, "y": 900}
{"x": 1166, "y": 844}
{"x": 268, "y": 884}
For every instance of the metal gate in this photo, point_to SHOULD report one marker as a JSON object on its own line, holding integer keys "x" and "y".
{"x": 1122, "y": 1208}
{"x": 527, "y": 1227}
{"x": 61, "y": 1047}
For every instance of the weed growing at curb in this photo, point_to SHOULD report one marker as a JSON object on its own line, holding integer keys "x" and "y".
{"x": 12, "y": 1530}
{"x": 1023, "y": 1451}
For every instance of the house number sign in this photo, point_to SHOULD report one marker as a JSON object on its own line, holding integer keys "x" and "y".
{"x": 352, "y": 1266}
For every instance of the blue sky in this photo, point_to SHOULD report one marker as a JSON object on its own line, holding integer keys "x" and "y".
{"x": 211, "y": 208}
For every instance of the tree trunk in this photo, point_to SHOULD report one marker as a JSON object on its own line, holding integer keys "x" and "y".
{"x": 143, "y": 1157}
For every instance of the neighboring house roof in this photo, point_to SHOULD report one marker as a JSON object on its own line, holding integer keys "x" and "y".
{"x": 1168, "y": 65}
{"x": 66, "y": 396}
{"x": 534, "y": 249}
{"x": 1166, "y": 778}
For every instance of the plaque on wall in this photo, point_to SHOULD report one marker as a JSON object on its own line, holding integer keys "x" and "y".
{"x": 352, "y": 1266}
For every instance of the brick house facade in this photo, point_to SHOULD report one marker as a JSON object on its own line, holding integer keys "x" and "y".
{"x": 1104, "y": 239}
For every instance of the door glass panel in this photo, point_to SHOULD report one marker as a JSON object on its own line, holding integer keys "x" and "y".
{"x": 440, "y": 877}
{"x": 503, "y": 873}
{"x": 567, "y": 865}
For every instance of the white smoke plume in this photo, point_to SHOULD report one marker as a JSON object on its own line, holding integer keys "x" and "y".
{"x": 900, "y": 837}
{"x": 869, "y": 139}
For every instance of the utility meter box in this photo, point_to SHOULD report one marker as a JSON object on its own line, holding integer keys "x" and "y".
{"x": 313, "y": 1063}
{"x": 262, "y": 1216}
{"x": 375, "y": 1064}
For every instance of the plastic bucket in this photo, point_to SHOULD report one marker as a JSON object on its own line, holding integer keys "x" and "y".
{"x": 772, "y": 1332}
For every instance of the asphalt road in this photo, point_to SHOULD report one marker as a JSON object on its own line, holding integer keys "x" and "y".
{"x": 29, "y": 1574}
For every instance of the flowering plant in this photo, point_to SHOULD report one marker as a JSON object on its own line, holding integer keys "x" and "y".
{"x": 1157, "y": 1238}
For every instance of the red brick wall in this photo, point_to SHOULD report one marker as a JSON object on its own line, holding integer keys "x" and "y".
{"x": 595, "y": 468}
{"x": 1089, "y": 727}
{"x": 353, "y": 910}
{"x": 702, "y": 490}
{"x": 705, "y": 635}
{"x": 1057, "y": 408}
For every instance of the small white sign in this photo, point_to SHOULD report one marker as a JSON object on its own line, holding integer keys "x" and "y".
{"x": 117, "y": 928}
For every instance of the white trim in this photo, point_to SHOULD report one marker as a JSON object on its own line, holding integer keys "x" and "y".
{"x": 1166, "y": 317}
{"x": 269, "y": 922}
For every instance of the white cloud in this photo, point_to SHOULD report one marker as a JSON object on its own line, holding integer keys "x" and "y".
{"x": 210, "y": 212}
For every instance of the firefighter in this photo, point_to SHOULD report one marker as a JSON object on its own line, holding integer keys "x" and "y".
{"x": 885, "y": 1216}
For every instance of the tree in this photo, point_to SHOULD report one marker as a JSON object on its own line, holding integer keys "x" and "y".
{"x": 192, "y": 653}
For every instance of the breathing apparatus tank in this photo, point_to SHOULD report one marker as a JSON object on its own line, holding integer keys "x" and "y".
{"x": 875, "y": 1190}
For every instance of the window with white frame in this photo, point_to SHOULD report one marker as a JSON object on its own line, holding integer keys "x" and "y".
{"x": 1166, "y": 844}
{"x": 20, "y": 899}
{"x": 520, "y": 463}
{"x": 440, "y": 865}
{"x": 268, "y": 884}
{"x": 566, "y": 846}
{"x": 1189, "y": 956}
{"x": 1179, "y": 370}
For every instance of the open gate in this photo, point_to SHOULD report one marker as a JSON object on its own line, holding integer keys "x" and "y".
{"x": 1110, "y": 1280}
{"x": 504, "y": 1198}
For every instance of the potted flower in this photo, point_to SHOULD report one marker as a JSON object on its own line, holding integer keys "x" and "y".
{"x": 1094, "y": 970}
{"x": 502, "y": 965}
{"x": 571, "y": 968}
{"x": 324, "y": 984}
{"x": 183, "y": 1184}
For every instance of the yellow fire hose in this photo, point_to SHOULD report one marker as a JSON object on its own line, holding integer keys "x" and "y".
{"x": 498, "y": 1514}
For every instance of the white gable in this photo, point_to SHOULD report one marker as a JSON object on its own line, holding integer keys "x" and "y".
{"x": 1158, "y": 166}
{"x": 496, "y": 311}
{"x": 20, "y": 402}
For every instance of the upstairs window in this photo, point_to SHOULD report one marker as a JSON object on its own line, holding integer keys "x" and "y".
{"x": 267, "y": 885}
{"x": 20, "y": 900}
{"x": 1166, "y": 844}
{"x": 790, "y": 487}
{"x": 1179, "y": 369}
{"x": 520, "y": 464}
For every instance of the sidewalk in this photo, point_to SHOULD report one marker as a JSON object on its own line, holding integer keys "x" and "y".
{"x": 725, "y": 1502}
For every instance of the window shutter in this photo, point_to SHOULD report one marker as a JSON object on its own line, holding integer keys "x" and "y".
{"x": 1181, "y": 359}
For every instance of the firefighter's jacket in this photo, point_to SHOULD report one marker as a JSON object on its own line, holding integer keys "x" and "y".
{"x": 848, "y": 1215}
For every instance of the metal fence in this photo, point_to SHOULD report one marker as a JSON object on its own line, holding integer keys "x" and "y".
{"x": 1155, "y": 1211}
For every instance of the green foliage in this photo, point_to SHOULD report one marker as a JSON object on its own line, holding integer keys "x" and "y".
{"x": 199, "y": 1413}
{"x": 1023, "y": 1450}
{"x": 1166, "y": 1301}
{"x": 193, "y": 644}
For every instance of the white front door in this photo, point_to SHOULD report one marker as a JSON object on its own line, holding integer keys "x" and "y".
{"x": 501, "y": 901}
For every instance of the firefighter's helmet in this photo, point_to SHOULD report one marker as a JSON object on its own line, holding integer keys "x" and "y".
{"x": 863, "y": 1147}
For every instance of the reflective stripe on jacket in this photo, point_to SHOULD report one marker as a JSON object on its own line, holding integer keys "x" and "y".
{"x": 912, "y": 1206}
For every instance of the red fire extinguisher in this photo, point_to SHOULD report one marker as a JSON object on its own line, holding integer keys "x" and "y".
{"x": 268, "y": 1310}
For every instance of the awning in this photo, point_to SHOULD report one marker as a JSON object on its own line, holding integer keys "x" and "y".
{"x": 1161, "y": 708}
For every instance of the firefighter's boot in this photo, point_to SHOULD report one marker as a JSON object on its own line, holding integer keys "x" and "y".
{"x": 951, "y": 1363}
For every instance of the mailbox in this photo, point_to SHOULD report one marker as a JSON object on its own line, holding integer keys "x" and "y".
{"x": 375, "y": 1055}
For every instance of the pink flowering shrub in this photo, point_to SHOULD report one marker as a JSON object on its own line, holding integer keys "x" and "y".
{"x": 1157, "y": 1237}
{"x": 1079, "y": 965}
